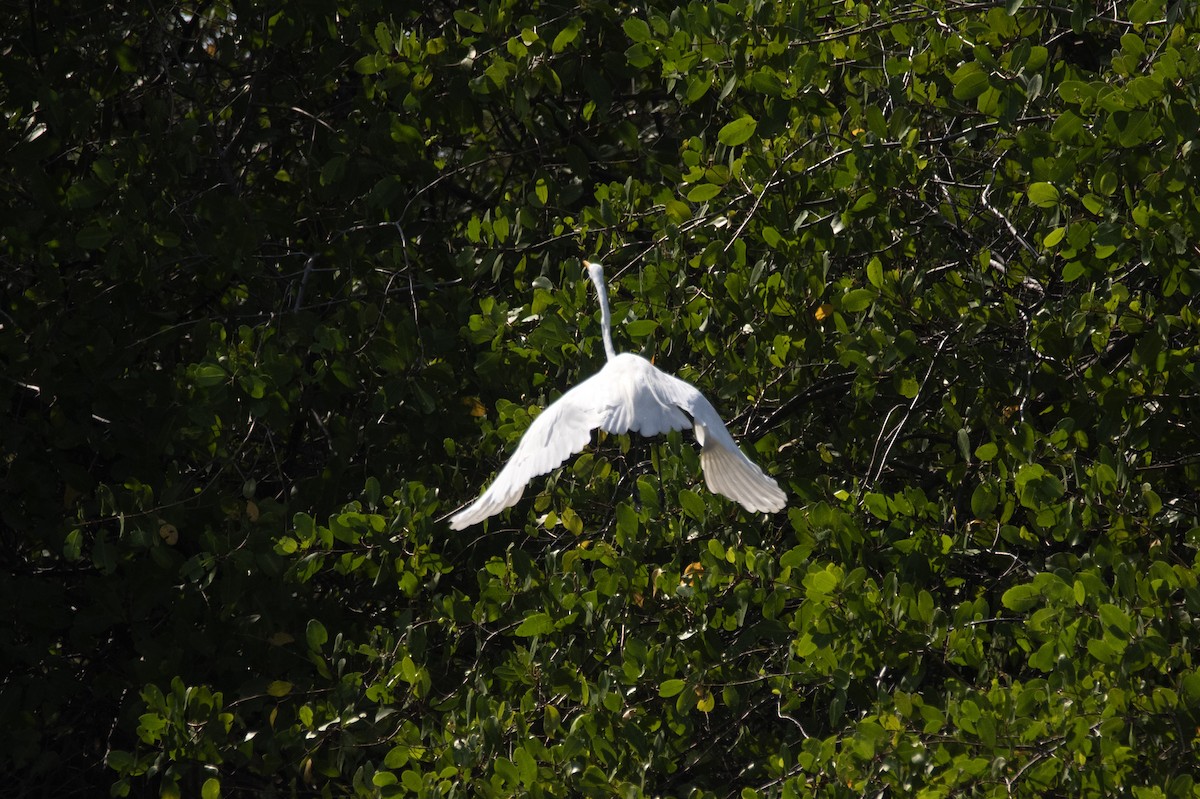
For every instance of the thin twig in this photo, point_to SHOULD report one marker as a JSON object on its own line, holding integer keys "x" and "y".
{"x": 895, "y": 435}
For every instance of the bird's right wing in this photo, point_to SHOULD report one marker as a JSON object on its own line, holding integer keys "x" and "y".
{"x": 727, "y": 470}
{"x": 561, "y": 430}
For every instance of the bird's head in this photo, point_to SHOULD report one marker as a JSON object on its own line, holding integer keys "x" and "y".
{"x": 594, "y": 269}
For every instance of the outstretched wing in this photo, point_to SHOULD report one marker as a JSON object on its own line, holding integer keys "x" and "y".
{"x": 560, "y": 431}
{"x": 727, "y": 470}
{"x": 629, "y": 393}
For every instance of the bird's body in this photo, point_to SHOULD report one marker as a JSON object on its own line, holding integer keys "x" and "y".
{"x": 628, "y": 394}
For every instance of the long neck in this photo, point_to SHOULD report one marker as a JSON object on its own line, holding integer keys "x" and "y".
{"x": 597, "y": 275}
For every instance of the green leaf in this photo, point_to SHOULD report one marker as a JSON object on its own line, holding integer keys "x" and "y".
{"x": 1076, "y": 91}
{"x": 1069, "y": 128}
{"x": 397, "y": 756}
{"x": 671, "y": 688}
{"x": 875, "y": 272}
{"x": 1043, "y": 195}
{"x": 92, "y": 237}
{"x": 639, "y": 56}
{"x": 987, "y": 451}
{"x": 538, "y": 623}
{"x": 383, "y": 37}
{"x": 970, "y": 85}
{"x": 1073, "y": 270}
{"x": 1105, "y": 478}
{"x": 567, "y": 35}
{"x": 411, "y": 779}
{"x": 1137, "y": 127}
{"x": 703, "y": 192}
{"x": 371, "y": 64}
{"x": 207, "y": 375}
{"x": 1052, "y": 238}
{"x": 86, "y": 193}
{"x": 1021, "y": 598}
{"x": 627, "y": 521}
{"x": 877, "y": 505}
{"x": 1103, "y": 651}
{"x": 771, "y": 237}
{"x": 278, "y": 688}
{"x": 692, "y": 504}
{"x": 1191, "y": 686}
{"x": 120, "y": 761}
{"x": 866, "y": 201}
{"x": 469, "y": 20}
{"x": 697, "y": 87}
{"x": 526, "y": 765}
{"x": 983, "y": 501}
{"x": 640, "y": 328}
{"x": 738, "y": 131}
{"x": 1142, "y": 11}
{"x": 316, "y": 635}
{"x": 636, "y": 29}
{"x": 1115, "y": 621}
{"x": 677, "y": 211}
{"x": 821, "y": 582}
{"x": 857, "y": 300}
{"x": 211, "y": 789}
{"x": 1036, "y": 488}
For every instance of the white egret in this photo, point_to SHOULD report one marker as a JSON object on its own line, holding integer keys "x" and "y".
{"x": 629, "y": 393}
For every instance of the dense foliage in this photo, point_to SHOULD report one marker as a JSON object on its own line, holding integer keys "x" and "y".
{"x": 283, "y": 284}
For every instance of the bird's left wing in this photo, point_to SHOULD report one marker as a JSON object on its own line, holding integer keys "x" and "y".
{"x": 727, "y": 470}
{"x": 560, "y": 431}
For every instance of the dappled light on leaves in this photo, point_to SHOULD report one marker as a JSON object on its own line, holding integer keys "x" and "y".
{"x": 281, "y": 288}
{"x": 629, "y": 393}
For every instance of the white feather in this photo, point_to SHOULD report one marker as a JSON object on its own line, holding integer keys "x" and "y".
{"x": 628, "y": 394}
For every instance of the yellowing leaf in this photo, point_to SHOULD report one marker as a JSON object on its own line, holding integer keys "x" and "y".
{"x": 823, "y": 312}
{"x": 474, "y": 406}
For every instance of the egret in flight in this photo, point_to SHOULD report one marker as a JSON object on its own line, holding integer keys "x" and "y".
{"x": 629, "y": 393}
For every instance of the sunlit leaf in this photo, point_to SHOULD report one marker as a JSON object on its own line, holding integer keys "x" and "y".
{"x": 738, "y": 131}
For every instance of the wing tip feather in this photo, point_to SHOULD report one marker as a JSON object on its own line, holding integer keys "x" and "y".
{"x": 733, "y": 475}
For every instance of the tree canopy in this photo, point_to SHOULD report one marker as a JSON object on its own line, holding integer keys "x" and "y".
{"x": 283, "y": 284}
